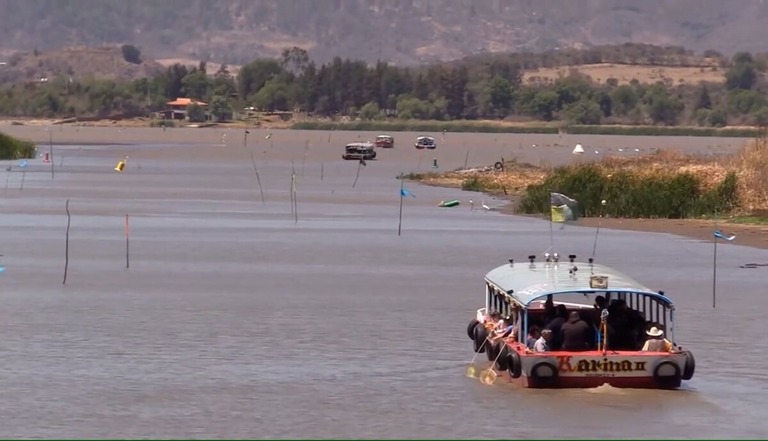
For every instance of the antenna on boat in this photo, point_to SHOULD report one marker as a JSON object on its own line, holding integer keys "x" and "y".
{"x": 597, "y": 231}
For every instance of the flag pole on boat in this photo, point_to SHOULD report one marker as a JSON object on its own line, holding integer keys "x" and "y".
{"x": 597, "y": 231}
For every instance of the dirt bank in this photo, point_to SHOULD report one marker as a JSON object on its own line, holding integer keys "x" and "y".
{"x": 749, "y": 235}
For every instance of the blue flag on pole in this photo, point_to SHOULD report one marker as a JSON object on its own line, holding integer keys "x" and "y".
{"x": 719, "y": 235}
{"x": 404, "y": 193}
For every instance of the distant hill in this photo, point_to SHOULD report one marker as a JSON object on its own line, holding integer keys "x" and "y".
{"x": 399, "y": 31}
{"x": 76, "y": 63}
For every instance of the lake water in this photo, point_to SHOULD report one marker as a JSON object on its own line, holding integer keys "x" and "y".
{"x": 236, "y": 321}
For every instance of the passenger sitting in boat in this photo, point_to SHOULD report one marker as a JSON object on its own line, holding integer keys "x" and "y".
{"x": 533, "y": 334}
{"x": 489, "y": 320}
{"x": 542, "y": 344}
{"x": 561, "y": 315}
{"x": 503, "y": 328}
{"x": 657, "y": 343}
{"x": 576, "y": 334}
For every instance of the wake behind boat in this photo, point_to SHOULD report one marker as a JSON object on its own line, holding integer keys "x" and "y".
{"x": 598, "y": 326}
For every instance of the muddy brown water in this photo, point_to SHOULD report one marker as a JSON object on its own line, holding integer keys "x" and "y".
{"x": 235, "y": 321}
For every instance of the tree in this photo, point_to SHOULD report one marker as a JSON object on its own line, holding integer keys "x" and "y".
{"x": 370, "y": 111}
{"x": 273, "y": 96}
{"x": 742, "y": 74}
{"x": 253, "y": 76}
{"x": 624, "y": 99}
{"x": 584, "y": 111}
{"x": 544, "y": 104}
{"x": 500, "y": 96}
{"x": 662, "y": 108}
{"x": 131, "y": 53}
{"x": 220, "y": 108}
{"x": 196, "y": 85}
{"x": 195, "y": 113}
{"x": 703, "y": 101}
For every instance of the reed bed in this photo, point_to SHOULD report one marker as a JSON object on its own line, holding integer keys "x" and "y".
{"x": 12, "y": 148}
{"x": 666, "y": 184}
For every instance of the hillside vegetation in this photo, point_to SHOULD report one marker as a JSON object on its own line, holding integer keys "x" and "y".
{"x": 402, "y": 31}
{"x": 487, "y": 87}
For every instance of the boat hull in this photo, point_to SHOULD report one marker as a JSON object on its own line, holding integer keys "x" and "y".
{"x": 589, "y": 369}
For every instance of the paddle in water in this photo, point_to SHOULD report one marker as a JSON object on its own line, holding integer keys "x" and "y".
{"x": 471, "y": 369}
{"x": 488, "y": 376}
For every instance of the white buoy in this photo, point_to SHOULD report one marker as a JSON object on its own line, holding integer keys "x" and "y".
{"x": 578, "y": 150}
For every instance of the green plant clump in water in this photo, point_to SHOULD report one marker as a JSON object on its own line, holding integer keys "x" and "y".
{"x": 629, "y": 195}
{"x": 12, "y": 148}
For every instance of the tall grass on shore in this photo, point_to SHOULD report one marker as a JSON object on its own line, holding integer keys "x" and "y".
{"x": 491, "y": 127}
{"x": 656, "y": 193}
{"x": 12, "y": 148}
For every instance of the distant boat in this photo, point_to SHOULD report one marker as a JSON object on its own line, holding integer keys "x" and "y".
{"x": 425, "y": 142}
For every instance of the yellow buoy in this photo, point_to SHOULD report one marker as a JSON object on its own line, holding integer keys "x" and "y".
{"x": 120, "y": 166}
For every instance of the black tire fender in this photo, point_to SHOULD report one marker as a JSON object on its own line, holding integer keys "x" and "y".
{"x": 667, "y": 381}
{"x": 471, "y": 329}
{"x": 690, "y": 365}
{"x": 492, "y": 351}
{"x": 514, "y": 364}
{"x": 480, "y": 336}
{"x": 503, "y": 358}
{"x": 498, "y": 166}
{"x": 547, "y": 379}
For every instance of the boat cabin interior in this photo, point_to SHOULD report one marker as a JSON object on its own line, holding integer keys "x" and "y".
{"x": 630, "y": 314}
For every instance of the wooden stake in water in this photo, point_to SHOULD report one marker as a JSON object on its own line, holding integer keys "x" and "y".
{"x": 466, "y": 160}
{"x": 127, "y": 243}
{"x": 357, "y": 175}
{"x": 321, "y": 170}
{"x": 7, "y": 177}
{"x": 295, "y": 205}
{"x": 400, "y": 217}
{"x": 258, "y": 179}
{"x": 304, "y": 157}
{"x": 50, "y": 147}
{"x": 66, "y": 246}
{"x": 23, "y": 174}
{"x": 714, "y": 265}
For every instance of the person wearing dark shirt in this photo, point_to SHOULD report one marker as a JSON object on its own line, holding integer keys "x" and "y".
{"x": 561, "y": 314}
{"x": 575, "y": 334}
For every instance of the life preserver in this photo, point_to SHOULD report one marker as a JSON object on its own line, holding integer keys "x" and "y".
{"x": 471, "y": 329}
{"x": 514, "y": 364}
{"x": 667, "y": 381}
{"x": 503, "y": 358}
{"x": 498, "y": 166}
{"x": 690, "y": 365}
{"x": 479, "y": 343}
{"x": 545, "y": 368}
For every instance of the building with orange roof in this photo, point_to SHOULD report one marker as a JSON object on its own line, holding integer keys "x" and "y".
{"x": 177, "y": 109}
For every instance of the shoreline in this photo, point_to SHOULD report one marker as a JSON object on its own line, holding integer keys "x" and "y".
{"x": 456, "y": 126}
{"x": 747, "y": 234}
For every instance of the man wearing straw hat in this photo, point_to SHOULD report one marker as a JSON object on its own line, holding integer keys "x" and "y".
{"x": 656, "y": 342}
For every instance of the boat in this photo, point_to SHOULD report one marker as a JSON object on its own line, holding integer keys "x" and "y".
{"x": 385, "y": 141}
{"x": 526, "y": 292}
{"x": 425, "y": 142}
{"x": 359, "y": 150}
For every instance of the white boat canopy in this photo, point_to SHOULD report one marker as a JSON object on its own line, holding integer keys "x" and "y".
{"x": 526, "y": 282}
